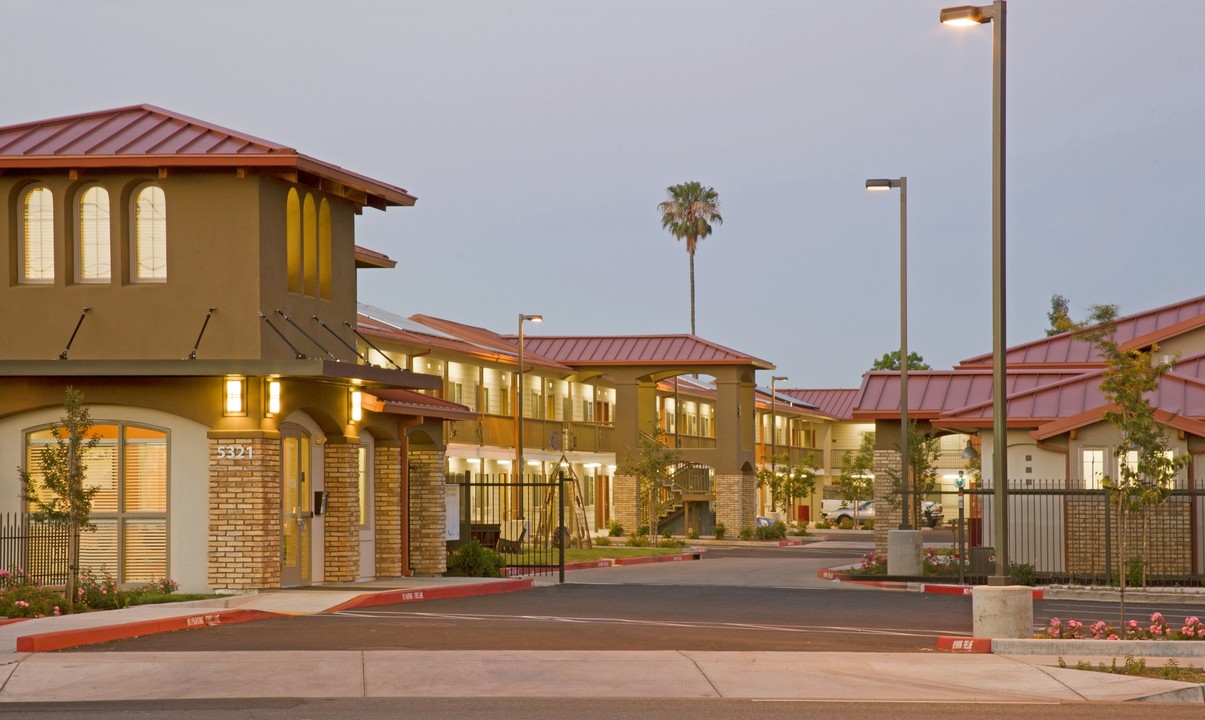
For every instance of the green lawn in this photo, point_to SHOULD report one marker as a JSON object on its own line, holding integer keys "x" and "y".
{"x": 617, "y": 551}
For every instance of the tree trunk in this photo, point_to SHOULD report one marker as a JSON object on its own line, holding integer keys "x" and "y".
{"x": 692, "y": 293}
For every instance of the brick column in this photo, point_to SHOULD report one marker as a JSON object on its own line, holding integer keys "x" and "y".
{"x": 623, "y": 508}
{"x": 244, "y": 514}
{"x": 341, "y": 542}
{"x": 428, "y": 545}
{"x": 735, "y": 501}
{"x": 887, "y": 508}
{"x": 387, "y": 510}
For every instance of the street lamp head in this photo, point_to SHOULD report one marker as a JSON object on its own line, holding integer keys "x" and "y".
{"x": 964, "y": 15}
{"x": 776, "y": 378}
{"x": 531, "y": 318}
{"x": 881, "y": 184}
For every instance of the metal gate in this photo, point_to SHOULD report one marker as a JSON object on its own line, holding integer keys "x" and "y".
{"x": 528, "y": 520}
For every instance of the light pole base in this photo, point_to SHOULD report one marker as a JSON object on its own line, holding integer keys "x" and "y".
{"x": 904, "y": 553}
{"x": 1002, "y": 611}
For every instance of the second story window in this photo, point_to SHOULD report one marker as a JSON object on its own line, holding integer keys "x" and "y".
{"x": 150, "y": 235}
{"x": 92, "y": 252}
{"x": 37, "y": 236}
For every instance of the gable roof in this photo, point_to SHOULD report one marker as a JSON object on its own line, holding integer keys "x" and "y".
{"x": 146, "y": 136}
{"x": 640, "y": 350}
{"x": 1071, "y": 350}
{"x": 933, "y": 393}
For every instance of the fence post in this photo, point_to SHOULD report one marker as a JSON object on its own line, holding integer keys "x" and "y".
{"x": 561, "y": 533}
{"x": 1108, "y": 540}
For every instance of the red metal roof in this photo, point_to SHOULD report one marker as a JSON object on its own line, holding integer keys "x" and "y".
{"x": 407, "y": 402}
{"x": 366, "y": 258}
{"x": 1137, "y": 330}
{"x": 148, "y": 136}
{"x": 483, "y": 338}
{"x": 640, "y": 350}
{"x": 932, "y": 393}
{"x": 836, "y": 403}
{"x": 413, "y": 337}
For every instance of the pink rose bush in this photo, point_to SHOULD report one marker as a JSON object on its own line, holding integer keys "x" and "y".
{"x": 1157, "y": 629}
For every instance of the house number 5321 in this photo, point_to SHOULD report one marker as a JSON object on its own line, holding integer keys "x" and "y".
{"x": 235, "y": 452}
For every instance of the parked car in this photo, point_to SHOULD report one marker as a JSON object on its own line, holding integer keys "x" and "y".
{"x": 932, "y": 513}
{"x": 865, "y": 511}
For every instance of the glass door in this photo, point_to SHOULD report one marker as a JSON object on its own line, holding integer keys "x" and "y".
{"x": 296, "y": 513}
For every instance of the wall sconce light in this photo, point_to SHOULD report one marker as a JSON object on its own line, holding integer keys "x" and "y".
{"x": 355, "y": 409}
{"x": 272, "y": 394}
{"x": 234, "y": 399}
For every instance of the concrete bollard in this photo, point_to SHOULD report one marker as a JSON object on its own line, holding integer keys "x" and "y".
{"x": 904, "y": 553}
{"x": 1002, "y": 611}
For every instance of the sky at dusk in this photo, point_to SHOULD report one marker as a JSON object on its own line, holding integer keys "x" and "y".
{"x": 539, "y": 136}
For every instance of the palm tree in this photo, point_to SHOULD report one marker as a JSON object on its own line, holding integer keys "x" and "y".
{"x": 688, "y": 213}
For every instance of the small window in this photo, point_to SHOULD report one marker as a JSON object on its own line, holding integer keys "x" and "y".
{"x": 37, "y": 236}
{"x": 1092, "y": 464}
{"x": 93, "y": 250}
{"x": 150, "y": 235}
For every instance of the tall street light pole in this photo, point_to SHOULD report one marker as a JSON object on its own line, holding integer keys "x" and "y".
{"x": 774, "y": 430}
{"x": 884, "y": 185}
{"x": 519, "y": 397}
{"x": 996, "y": 15}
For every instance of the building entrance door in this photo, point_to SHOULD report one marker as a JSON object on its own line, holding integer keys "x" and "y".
{"x": 296, "y": 510}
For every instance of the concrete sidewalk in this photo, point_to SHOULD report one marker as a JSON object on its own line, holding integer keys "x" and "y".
{"x": 934, "y": 678}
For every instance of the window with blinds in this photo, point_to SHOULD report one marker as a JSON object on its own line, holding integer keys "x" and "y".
{"x": 150, "y": 235}
{"x": 129, "y": 466}
{"x": 93, "y": 252}
{"x": 37, "y": 236}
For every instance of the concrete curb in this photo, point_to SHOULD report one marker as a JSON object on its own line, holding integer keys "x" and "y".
{"x": 1073, "y": 648}
{"x": 46, "y": 642}
{"x": 401, "y": 595}
{"x": 939, "y": 588}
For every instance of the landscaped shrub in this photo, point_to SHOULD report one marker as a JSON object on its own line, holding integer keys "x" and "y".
{"x": 604, "y": 541}
{"x": 718, "y": 531}
{"x": 777, "y": 531}
{"x": 1023, "y": 573}
{"x": 846, "y": 523}
{"x": 21, "y": 596}
{"x": 473, "y": 560}
{"x": 693, "y": 534}
{"x": 868, "y": 524}
{"x": 615, "y": 528}
{"x": 635, "y": 540}
{"x": 823, "y": 524}
{"x": 671, "y": 542}
{"x": 1157, "y": 629}
{"x": 746, "y": 533}
{"x": 99, "y": 591}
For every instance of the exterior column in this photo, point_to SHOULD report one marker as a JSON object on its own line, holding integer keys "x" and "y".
{"x": 244, "y": 514}
{"x": 387, "y": 510}
{"x": 341, "y": 543}
{"x": 887, "y": 512}
{"x": 428, "y": 511}
{"x": 735, "y": 501}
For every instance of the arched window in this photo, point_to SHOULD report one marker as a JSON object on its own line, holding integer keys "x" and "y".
{"x": 150, "y": 235}
{"x": 293, "y": 240}
{"x": 92, "y": 253}
{"x": 309, "y": 238}
{"x": 37, "y": 236}
{"x": 129, "y": 466}
{"x": 324, "y": 250}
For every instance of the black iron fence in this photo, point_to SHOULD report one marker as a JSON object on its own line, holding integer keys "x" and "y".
{"x": 1071, "y": 535}
{"x": 40, "y": 549}
{"x": 529, "y": 520}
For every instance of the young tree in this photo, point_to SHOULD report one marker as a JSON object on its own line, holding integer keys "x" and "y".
{"x": 54, "y": 490}
{"x": 652, "y": 467}
{"x": 891, "y": 361}
{"x": 688, "y": 213}
{"x": 790, "y": 483}
{"x": 1146, "y": 466}
{"x": 923, "y": 452}
{"x": 857, "y": 473}
{"x": 1059, "y": 316}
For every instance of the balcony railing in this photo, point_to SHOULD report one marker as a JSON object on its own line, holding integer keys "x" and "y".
{"x": 499, "y": 431}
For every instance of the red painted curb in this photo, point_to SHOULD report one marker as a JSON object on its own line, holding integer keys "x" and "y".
{"x": 964, "y": 645}
{"x": 394, "y": 597}
{"x": 938, "y": 588}
{"x": 64, "y": 639}
{"x": 655, "y": 558}
{"x": 789, "y": 543}
{"x": 950, "y": 589}
{"x": 10, "y": 621}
